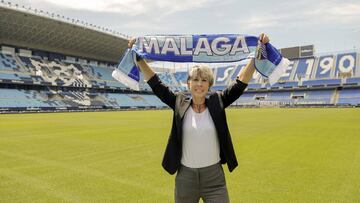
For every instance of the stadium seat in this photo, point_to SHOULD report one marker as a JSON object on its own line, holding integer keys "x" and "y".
{"x": 349, "y": 97}
{"x": 324, "y": 82}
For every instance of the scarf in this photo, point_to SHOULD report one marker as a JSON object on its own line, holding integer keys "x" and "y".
{"x": 219, "y": 48}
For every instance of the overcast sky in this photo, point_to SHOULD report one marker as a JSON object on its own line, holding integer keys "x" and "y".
{"x": 331, "y": 25}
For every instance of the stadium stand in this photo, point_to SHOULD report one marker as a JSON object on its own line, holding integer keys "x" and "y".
{"x": 349, "y": 97}
{"x": 75, "y": 76}
{"x": 299, "y": 86}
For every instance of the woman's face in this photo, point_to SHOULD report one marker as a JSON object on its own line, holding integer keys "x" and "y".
{"x": 198, "y": 87}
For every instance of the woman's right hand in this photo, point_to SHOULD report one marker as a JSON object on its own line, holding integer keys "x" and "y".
{"x": 264, "y": 38}
{"x": 131, "y": 42}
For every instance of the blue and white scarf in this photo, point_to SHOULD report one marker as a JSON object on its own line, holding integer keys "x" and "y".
{"x": 219, "y": 48}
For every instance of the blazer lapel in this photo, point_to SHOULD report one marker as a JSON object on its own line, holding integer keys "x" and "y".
{"x": 184, "y": 107}
{"x": 211, "y": 109}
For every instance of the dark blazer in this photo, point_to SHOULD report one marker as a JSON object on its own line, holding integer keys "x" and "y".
{"x": 216, "y": 103}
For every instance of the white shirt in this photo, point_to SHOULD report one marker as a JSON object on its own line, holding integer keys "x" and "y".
{"x": 200, "y": 146}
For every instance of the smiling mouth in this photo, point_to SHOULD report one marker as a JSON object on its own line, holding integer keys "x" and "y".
{"x": 199, "y": 92}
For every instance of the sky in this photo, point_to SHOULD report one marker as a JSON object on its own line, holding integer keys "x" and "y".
{"x": 331, "y": 25}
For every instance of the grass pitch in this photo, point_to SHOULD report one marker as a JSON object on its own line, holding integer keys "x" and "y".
{"x": 285, "y": 155}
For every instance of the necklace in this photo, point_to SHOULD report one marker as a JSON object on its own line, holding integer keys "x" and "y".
{"x": 198, "y": 107}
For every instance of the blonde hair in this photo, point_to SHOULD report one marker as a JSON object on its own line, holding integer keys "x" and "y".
{"x": 202, "y": 71}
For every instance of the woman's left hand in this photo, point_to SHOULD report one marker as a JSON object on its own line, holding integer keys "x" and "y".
{"x": 264, "y": 38}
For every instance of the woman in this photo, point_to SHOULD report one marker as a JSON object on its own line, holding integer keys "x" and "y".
{"x": 200, "y": 139}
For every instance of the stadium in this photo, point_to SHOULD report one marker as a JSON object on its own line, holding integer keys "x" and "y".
{"x": 50, "y": 63}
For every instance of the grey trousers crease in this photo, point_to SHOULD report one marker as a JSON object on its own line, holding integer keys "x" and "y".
{"x": 207, "y": 183}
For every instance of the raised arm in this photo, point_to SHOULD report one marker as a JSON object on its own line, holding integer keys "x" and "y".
{"x": 160, "y": 89}
{"x": 236, "y": 88}
{"x": 247, "y": 72}
{"x": 144, "y": 67}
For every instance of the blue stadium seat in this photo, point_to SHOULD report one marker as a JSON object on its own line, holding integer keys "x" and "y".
{"x": 218, "y": 88}
{"x": 23, "y": 98}
{"x": 286, "y": 84}
{"x": 352, "y": 81}
{"x": 279, "y": 96}
{"x": 181, "y": 77}
{"x": 248, "y": 98}
{"x": 7, "y": 63}
{"x": 254, "y": 86}
{"x": 349, "y": 97}
{"x": 318, "y": 96}
{"x": 133, "y": 100}
{"x": 9, "y": 76}
{"x": 323, "y": 82}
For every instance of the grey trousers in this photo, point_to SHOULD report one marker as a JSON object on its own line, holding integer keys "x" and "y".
{"x": 207, "y": 183}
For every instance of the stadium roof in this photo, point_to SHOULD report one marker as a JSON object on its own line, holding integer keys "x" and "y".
{"x": 48, "y": 32}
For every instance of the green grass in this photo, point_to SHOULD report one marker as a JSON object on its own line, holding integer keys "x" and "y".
{"x": 285, "y": 155}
